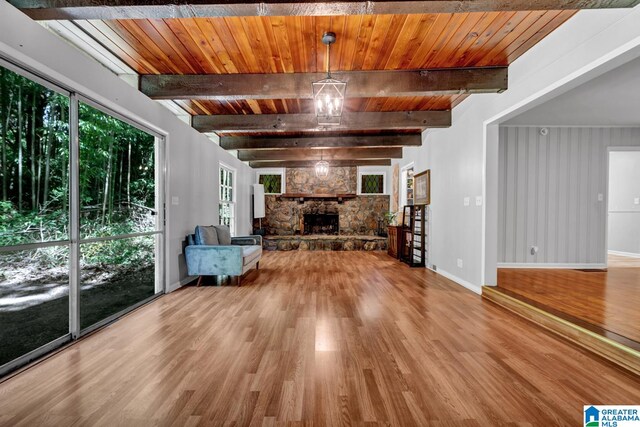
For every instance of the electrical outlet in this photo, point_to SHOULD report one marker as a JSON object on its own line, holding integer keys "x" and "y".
{"x": 467, "y": 200}
{"x": 175, "y": 201}
{"x": 636, "y": 201}
{"x": 600, "y": 197}
{"x": 459, "y": 263}
{"x": 478, "y": 200}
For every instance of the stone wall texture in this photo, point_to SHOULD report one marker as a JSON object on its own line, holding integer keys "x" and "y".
{"x": 304, "y": 180}
{"x": 358, "y": 216}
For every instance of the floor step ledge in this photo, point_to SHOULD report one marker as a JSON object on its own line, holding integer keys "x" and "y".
{"x": 613, "y": 351}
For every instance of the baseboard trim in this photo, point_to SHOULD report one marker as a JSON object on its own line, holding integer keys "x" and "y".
{"x": 627, "y": 254}
{"x": 566, "y": 266}
{"x": 461, "y": 282}
{"x": 609, "y": 349}
{"x": 181, "y": 283}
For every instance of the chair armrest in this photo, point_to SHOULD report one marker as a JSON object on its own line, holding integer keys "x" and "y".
{"x": 203, "y": 260}
{"x": 247, "y": 240}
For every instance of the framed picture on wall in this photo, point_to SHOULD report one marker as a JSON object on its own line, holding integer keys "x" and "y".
{"x": 422, "y": 188}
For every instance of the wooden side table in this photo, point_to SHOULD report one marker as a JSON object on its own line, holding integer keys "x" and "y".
{"x": 394, "y": 239}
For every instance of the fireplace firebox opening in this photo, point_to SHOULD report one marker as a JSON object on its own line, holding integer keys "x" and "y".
{"x": 321, "y": 224}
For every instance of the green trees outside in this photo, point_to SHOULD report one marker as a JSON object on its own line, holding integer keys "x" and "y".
{"x": 117, "y": 176}
{"x": 116, "y": 168}
{"x": 34, "y": 149}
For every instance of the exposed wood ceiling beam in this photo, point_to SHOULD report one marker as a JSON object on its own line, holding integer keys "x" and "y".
{"x": 309, "y": 122}
{"x": 158, "y": 9}
{"x": 360, "y": 84}
{"x": 270, "y": 142}
{"x": 318, "y": 154}
{"x": 311, "y": 163}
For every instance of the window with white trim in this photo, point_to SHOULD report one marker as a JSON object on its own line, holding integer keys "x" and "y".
{"x": 227, "y": 206}
{"x": 272, "y": 179}
{"x": 371, "y": 183}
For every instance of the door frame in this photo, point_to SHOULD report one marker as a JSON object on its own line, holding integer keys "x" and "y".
{"x": 610, "y": 149}
{"x": 402, "y": 192}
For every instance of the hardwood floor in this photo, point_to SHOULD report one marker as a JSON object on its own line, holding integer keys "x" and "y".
{"x": 609, "y": 300}
{"x": 318, "y": 338}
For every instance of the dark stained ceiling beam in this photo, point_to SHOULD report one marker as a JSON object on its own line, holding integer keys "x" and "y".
{"x": 158, "y": 9}
{"x": 360, "y": 84}
{"x": 270, "y": 142}
{"x": 312, "y": 163}
{"x": 380, "y": 153}
{"x": 309, "y": 122}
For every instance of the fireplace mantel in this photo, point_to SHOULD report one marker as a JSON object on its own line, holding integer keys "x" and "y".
{"x": 301, "y": 197}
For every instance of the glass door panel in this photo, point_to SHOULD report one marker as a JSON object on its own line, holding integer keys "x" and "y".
{"x": 34, "y": 218}
{"x": 117, "y": 176}
{"x": 114, "y": 276}
{"x": 34, "y": 299}
{"x": 120, "y": 229}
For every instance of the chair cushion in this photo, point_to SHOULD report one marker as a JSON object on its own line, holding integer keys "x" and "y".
{"x": 224, "y": 235}
{"x": 206, "y": 235}
{"x": 250, "y": 253}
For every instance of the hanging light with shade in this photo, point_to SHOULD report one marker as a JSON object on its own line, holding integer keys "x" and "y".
{"x": 328, "y": 94}
{"x": 322, "y": 168}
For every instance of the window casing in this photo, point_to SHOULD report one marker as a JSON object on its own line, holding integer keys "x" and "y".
{"x": 227, "y": 206}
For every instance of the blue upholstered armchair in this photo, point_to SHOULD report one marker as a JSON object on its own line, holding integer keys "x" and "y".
{"x": 212, "y": 252}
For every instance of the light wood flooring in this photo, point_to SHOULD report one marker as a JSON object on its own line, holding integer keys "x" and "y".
{"x": 318, "y": 338}
{"x": 609, "y": 300}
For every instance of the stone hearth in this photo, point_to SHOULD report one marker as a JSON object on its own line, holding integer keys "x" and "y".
{"x": 325, "y": 243}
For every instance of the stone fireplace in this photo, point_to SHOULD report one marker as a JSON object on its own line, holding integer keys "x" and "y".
{"x": 320, "y": 223}
{"x": 324, "y": 224}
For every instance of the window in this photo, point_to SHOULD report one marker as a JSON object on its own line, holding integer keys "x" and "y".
{"x": 273, "y": 180}
{"x": 227, "y": 205}
{"x": 371, "y": 183}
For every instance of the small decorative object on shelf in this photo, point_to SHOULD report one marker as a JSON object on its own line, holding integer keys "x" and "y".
{"x": 413, "y": 235}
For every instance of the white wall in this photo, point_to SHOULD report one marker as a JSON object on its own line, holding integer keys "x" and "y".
{"x": 464, "y": 158}
{"x": 624, "y": 202}
{"x": 603, "y": 101}
{"x": 192, "y": 159}
{"x": 548, "y": 194}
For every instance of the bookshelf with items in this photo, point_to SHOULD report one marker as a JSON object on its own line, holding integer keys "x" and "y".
{"x": 414, "y": 238}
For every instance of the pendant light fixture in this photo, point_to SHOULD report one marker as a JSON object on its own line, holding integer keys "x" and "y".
{"x": 322, "y": 168}
{"x": 328, "y": 93}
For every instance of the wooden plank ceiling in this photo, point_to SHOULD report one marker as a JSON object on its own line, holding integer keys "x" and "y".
{"x": 291, "y": 44}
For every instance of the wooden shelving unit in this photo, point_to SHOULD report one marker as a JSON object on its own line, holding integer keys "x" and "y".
{"x": 413, "y": 248}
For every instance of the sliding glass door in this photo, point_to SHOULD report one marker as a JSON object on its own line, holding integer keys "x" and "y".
{"x": 81, "y": 216}
{"x": 119, "y": 221}
{"x": 34, "y": 237}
